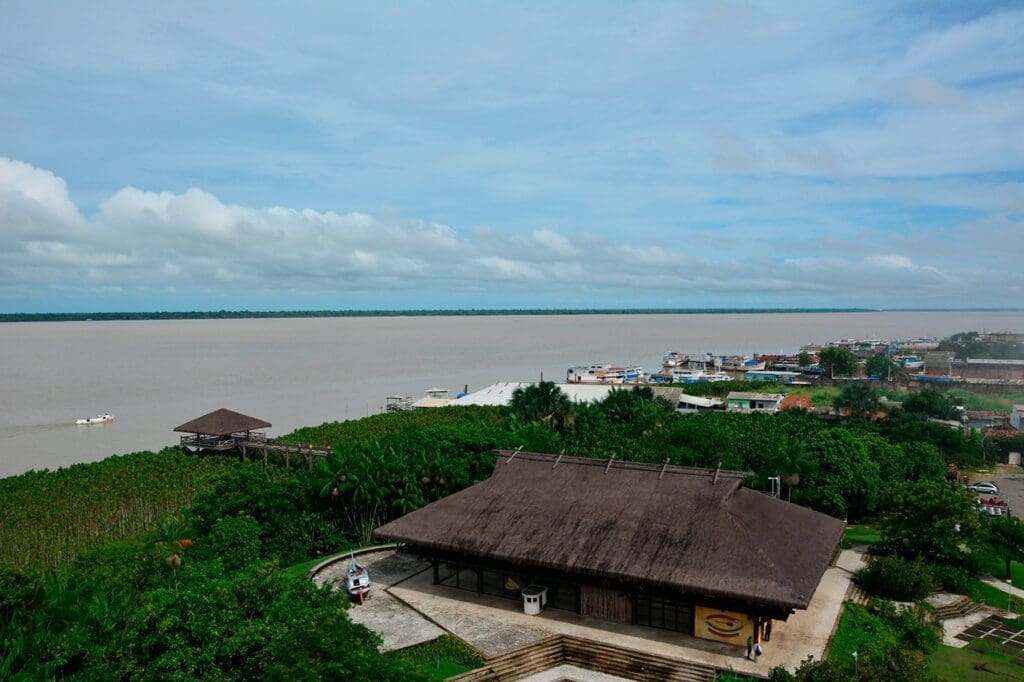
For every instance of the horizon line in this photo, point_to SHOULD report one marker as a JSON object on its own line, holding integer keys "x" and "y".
{"x": 129, "y": 315}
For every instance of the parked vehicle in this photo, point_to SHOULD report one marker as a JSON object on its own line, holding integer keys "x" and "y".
{"x": 984, "y": 488}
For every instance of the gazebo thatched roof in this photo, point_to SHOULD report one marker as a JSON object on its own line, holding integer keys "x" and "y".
{"x": 670, "y": 527}
{"x": 222, "y": 422}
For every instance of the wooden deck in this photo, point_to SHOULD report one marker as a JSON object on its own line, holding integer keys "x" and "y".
{"x": 256, "y": 442}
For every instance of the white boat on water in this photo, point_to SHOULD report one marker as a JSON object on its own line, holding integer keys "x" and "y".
{"x": 99, "y": 419}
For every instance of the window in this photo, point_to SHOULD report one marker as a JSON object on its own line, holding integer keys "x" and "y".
{"x": 662, "y": 613}
{"x": 447, "y": 574}
{"x": 468, "y": 579}
{"x": 565, "y": 596}
{"x": 492, "y": 581}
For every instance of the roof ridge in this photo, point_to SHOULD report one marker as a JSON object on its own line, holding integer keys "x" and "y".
{"x": 622, "y": 464}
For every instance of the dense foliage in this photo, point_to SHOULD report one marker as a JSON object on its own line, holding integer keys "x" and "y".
{"x": 46, "y": 517}
{"x": 192, "y": 587}
{"x": 154, "y": 608}
{"x": 838, "y": 362}
{"x": 975, "y": 345}
{"x": 877, "y": 643}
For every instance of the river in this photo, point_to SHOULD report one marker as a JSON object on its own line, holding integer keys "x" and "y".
{"x": 155, "y": 374}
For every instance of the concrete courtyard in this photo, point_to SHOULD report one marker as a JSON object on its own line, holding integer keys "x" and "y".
{"x": 407, "y": 608}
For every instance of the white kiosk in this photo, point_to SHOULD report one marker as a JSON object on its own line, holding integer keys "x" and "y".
{"x": 535, "y": 598}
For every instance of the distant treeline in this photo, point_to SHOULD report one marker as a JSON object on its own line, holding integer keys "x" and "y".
{"x": 245, "y": 314}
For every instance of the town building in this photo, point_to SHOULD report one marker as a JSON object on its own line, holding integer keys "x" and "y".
{"x": 675, "y": 548}
{"x": 1017, "y": 418}
{"x": 996, "y": 369}
{"x": 742, "y": 401}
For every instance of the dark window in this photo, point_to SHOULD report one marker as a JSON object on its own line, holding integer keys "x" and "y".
{"x": 493, "y": 583}
{"x": 565, "y": 596}
{"x": 662, "y": 613}
{"x": 447, "y": 574}
{"x": 468, "y": 579}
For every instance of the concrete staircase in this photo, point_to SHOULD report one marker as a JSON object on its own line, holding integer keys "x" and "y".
{"x": 589, "y": 655}
{"x": 857, "y": 595}
{"x": 956, "y": 609}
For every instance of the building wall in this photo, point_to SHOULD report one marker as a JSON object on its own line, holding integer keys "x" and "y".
{"x": 728, "y": 627}
{"x": 608, "y": 604}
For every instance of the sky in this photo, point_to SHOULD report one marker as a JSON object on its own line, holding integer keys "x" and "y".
{"x": 397, "y": 155}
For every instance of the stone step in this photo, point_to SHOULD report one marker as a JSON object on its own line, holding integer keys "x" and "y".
{"x": 958, "y": 609}
{"x": 564, "y": 649}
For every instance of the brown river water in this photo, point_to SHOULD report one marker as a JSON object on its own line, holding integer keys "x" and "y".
{"x": 154, "y": 375}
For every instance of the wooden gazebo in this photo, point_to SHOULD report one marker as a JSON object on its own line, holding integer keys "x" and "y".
{"x": 221, "y": 430}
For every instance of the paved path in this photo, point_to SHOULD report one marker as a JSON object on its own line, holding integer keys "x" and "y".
{"x": 397, "y": 624}
{"x": 494, "y": 626}
{"x": 1004, "y": 586}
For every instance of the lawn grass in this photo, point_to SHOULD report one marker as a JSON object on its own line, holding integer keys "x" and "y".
{"x": 950, "y": 664}
{"x": 300, "y": 570}
{"x": 861, "y": 535}
{"x": 441, "y": 658}
{"x": 977, "y": 401}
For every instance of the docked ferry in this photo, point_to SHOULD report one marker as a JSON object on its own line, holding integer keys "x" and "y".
{"x": 605, "y": 374}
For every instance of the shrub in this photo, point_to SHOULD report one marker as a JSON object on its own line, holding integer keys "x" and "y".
{"x": 896, "y": 578}
{"x": 952, "y": 578}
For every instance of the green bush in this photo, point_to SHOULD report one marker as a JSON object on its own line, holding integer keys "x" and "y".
{"x": 952, "y": 578}
{"x": 896, "y": 578}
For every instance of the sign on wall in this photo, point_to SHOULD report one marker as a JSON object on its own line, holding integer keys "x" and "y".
{"x": 723, "y": 626}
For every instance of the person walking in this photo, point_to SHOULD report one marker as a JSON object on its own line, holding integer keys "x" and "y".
{"x": 750, "y": 646}
{"x": 768, "y": 631}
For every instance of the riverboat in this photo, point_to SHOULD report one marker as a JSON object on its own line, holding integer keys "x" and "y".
{"x": 99, "y": 419}
{"x": 605, "y": 374}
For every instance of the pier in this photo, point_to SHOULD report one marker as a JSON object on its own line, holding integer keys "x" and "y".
{"x": 223, "y": 430}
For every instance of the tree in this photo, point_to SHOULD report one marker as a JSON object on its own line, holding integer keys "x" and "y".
{"x": 858, "y": 399}
{"x": 542, "y": 402}
{"x": 882, "y": 366}
{"x": 836, "y": 361}
{"x": 843, "y": 481}
{"x": 804, "y": 359}
{"x": 1005, "y": 535}
{"x": 931, "y": 403}
{"x": 936, "y": 520}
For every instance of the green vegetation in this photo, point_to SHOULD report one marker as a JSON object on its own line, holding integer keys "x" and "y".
{"x": 882, "y": 366}
{"x": 389, "y": 423}
{"x": 858, "y": 400}
{"x": 979, "y": 661}
{"x": 440, "y": 659}
{"x": 169, "y": 565}
{"x": 838, "y": 362}
{"x": 861, "y": 535}
{"x": 976, "y": 345}
{"x": 878, "y": 642}
{"x": 46, "y": 517}
{"x": 472, "y": 312}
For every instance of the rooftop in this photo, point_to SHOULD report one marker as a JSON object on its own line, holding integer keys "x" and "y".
{"x": 694, "y": 530}
{"x": 222, "y": 422}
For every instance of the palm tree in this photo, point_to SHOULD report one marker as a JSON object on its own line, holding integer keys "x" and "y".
{"x": 543, "y": 402}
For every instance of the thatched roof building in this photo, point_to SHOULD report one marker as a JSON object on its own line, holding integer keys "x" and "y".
{"x": 693, "y": 533}
{"x": 222, "y": 422}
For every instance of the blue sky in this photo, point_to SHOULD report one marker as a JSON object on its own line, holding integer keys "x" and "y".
{"x": 170, "y": 156}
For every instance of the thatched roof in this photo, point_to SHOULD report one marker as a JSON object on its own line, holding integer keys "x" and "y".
{"x": 222, "y": 423}
{"x": 633, "y": 523}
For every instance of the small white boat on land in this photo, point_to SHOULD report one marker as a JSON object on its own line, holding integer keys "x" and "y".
{"x": 99, "y": 419}
{"x": 357, "y": 581}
